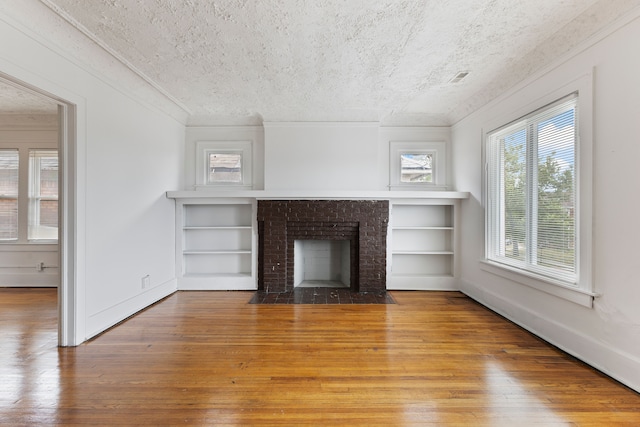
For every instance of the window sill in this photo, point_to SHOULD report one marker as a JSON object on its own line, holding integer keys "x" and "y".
{"x": 49, "y": 245}
{"x": 543, "y": 284}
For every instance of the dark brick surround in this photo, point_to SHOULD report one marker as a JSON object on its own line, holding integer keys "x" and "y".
{"x": 362, "y": 223}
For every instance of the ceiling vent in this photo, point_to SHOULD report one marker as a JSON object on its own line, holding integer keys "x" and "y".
{"x": 459, "y": 76}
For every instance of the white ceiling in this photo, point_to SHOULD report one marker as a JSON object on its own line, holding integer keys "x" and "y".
{"x": 244, "y": 61}
{"x": 14, "y": 100}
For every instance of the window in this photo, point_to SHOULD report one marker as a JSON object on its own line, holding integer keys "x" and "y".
{"x": 532, "y": 209}
{"x": 43, "y": 195}
{"x": 28, "y": 195}
{"x": 9, "y": 161}
{"x": 417, "y": 165}
{"x": 221, "y": 165}
{"x": 224, "y": 167}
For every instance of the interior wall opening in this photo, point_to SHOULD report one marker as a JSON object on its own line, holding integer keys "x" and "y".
{"x": 21, "y": 106}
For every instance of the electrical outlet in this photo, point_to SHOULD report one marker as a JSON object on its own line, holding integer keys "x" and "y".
{"x": 146, "y": 281}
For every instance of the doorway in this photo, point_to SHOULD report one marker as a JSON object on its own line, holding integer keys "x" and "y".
{"x": 36, "y": 238}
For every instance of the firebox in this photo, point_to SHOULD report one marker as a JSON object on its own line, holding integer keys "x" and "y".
{"x": 322, "y": 263}
{"x": 360, "y": 223}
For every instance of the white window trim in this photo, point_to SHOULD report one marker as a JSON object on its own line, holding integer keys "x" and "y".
{"x": 34, "y": 201}
{"x": 439, "y": 151}
{"x": 244, "y": 148}
{"x": 584, "y": 290}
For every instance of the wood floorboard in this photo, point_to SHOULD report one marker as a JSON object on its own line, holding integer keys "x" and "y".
{"x": 210, "y": 358}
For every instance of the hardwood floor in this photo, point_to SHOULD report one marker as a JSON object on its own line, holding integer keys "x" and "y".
{"x": 210, "y": 358}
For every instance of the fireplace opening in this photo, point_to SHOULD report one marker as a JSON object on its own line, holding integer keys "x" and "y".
{"x": 322, "y": 263}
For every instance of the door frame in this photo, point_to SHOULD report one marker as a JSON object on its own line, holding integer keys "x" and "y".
{"x": 69, "y": 292}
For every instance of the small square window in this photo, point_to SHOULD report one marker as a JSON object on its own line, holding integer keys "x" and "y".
{"x": 224, "y": 167}
{"x": 416, "y": 167}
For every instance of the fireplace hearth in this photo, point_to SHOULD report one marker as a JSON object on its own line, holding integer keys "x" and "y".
{"x": 362, "y": 223}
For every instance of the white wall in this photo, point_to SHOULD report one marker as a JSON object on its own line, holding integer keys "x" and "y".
{"x": 315, "y": 156}
{"x": 134, "y": 155}
{"x": 128, "y": 154}
{"x": 607, "y": 335}
{"x": 322, "y": 156}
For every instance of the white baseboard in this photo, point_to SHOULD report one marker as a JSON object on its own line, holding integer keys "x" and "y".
{"x": 100, "y": 322}
{"x": 29, "y": 280}
{"x": 217, "y": 283}
{"x": 417, "y": 283}
{"x": 615, "y": 363}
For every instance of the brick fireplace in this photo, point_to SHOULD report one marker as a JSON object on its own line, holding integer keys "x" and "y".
{"x": 361, "y": 222}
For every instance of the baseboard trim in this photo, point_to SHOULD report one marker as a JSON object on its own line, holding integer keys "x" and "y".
{"x": 100, "y": 322}
{"x": 399, "y": 283}
{"x": 619, "y": 365}
{"x": 29, "y": 280}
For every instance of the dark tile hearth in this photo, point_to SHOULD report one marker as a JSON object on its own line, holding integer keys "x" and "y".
{"x": 321, "y": 296}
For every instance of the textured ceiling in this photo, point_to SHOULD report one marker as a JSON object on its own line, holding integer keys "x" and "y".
{"x": 242, "y": 61}
{"x": 14, "y": 100}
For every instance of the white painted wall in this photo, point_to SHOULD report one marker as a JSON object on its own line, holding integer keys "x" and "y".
{"x": 606, "y": 336}
{"x": 128, "y": 154}
{"x": 18, "y": 265}
{"x": 337, "y": 156}
{"x": 315, "y": 156}
{"x": 322, "y": 156}
{"x": 134, "y": 155}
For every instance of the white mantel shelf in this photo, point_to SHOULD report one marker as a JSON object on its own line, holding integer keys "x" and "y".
{"x": 319, "y": 195}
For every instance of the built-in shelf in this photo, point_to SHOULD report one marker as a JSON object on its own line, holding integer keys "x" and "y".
{"x": 215, "y": 244}
{"x": 421, "y": 252}
{"x": 216, "y": 240}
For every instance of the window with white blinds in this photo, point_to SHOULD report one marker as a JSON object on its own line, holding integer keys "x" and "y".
{"x": 531, "y": 189}
{"x": 28, "y": 195}
{"x": 9, "y": 161}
